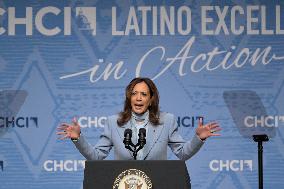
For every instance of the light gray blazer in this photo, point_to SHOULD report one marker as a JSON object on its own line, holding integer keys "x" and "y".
{"x": 158, "y": 138}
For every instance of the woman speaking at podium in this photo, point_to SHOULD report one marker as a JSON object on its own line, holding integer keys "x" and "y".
{"x": 141, "y": 110}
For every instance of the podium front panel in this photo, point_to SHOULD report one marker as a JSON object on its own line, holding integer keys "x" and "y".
{"x": 164, "y": 174}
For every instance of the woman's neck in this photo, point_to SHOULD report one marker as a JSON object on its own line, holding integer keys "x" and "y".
{"x": 139, "y": 118}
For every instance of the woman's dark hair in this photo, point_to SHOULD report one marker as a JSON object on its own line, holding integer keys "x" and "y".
{"x": 154, "y": 110}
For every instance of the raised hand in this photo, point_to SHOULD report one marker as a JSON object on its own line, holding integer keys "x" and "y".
{"x": 72, "y": 130}
{"x": 208, "y": 130}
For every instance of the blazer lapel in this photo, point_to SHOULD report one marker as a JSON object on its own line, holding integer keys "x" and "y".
{"x": 153, "y": 134}
{"x": 121, "y": 129}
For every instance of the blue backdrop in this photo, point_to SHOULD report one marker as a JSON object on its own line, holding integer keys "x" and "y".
{"x": 222, "y": 60}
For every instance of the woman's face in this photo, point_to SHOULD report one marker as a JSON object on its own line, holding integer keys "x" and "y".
{"x": 140, "y": 98}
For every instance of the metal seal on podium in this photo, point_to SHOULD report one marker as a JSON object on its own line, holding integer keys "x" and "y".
{"x": 132, "y": 179}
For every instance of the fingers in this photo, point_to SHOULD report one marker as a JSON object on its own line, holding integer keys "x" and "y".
{"x": 75, "y": 121}
{"x": 63, "y": 135}
{"x": 211, "y": 125}
{"x": 214, "y": 129}
{"x": 214, "y": 126}
{"x": 63, "y": 126}
{"x": 215, "y": 134}
{"x": 65, "y": 130}
{"x": 200, "y": 122}
{"x": 66, "y": 127}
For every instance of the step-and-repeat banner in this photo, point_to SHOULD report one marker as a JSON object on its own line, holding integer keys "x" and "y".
{"x": 220, "y": 60}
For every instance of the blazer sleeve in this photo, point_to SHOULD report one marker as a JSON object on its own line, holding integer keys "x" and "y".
{"x": 101, "y": 149}
{"x": 181, "y": 148}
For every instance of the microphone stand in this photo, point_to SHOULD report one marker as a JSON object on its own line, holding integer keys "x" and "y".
{"x": 133, "y": 147}
{"x": 259, "y": 139}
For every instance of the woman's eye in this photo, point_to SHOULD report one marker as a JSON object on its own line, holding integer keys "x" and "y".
{"x": 144, "y": 94}
{"x": 133, "y": 93}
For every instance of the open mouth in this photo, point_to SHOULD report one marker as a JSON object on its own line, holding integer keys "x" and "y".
{"x": 138, "y": 106}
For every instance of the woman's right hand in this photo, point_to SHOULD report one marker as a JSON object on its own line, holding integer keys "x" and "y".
{"x": 72, "y": 130}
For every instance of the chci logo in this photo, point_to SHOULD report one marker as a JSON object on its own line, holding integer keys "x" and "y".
{"x": 132, "y": 179}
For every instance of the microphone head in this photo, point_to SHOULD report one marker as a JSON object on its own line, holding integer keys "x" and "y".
{"x": 127, "y": 137}
{"x": 142, "y": 137}
{"x": 128, "y": 133}
{"x": 142, "y": 132}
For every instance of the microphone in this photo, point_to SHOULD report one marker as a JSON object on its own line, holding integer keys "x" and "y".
{"x": 142, "y": 137}
{"x": 134, "y": 147}
{"x": 127, "y": 138}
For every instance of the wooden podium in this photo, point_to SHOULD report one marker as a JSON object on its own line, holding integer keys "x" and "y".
{"x": 165, "y": 174}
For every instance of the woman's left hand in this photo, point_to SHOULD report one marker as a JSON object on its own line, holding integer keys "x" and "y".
{"x": 208, "y": 130}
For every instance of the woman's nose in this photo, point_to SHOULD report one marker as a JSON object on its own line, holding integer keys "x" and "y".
{"x": 139, "y": 97}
